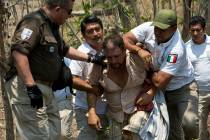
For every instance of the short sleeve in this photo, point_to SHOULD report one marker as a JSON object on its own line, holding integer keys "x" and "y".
{"x": 140, "y": 31}
{"x": 77, "y": 67}
{"x": 26, "y": 36}
{"x": 173, "y": 61}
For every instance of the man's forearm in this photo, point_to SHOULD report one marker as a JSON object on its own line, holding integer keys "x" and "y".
{"x": 83, "y": 85}
{"x": 130, "y": 43}
{"x": 161, "y": 79}
{"x": 23, "y": 68}
{"x": 76, "y": 55}
{"x": 91, "y": 100}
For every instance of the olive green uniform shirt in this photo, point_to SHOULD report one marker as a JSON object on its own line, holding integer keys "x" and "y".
{"x": 38, "y": 37}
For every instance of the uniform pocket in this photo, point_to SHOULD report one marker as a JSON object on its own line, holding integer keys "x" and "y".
{"x": 50, "y": 44}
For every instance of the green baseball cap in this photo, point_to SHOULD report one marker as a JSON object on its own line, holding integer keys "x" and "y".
{"x": 165, "y": 18}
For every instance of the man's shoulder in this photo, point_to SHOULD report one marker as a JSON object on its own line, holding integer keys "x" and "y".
{"x": 134, "y": 59}
{"x": 84, "y": 47}
{"x": 34, "y": 17}
{"x": 207, "y": 39}
{"x": 144, "y": 26}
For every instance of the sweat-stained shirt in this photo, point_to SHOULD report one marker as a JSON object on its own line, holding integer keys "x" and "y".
{"x": 121, "y": 100}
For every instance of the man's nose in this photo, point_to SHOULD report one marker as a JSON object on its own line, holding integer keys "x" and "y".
{"x": 195, "y": 32}
{"x": 95, "y": 32}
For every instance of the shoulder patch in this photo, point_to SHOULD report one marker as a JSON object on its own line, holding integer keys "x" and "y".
{"x": 172, "y": 58}
{"x": 26, "y": 34}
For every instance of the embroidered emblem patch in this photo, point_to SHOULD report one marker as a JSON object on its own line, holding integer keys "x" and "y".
{"x": 26, "y": 34}
{"x": 172, "y": 58}
{"x": 52, "y": 49}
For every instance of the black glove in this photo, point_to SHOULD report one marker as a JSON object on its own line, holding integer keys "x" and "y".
{"x": 98, "y": 58}
{"x": 35, "y": 95}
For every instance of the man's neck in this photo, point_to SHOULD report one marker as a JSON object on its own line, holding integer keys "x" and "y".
{"x": 48, "y": 13}
{"x": 201, "y": 40}
{"x": 118, "y": 75}
{"x": 97, "y": 48}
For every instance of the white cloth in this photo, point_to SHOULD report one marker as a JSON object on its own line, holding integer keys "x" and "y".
{"x": 199, "y": 55}
{"x": 157, "y": 126}
{"x": 182, "y": 69}
{"x": 82, "y": 69}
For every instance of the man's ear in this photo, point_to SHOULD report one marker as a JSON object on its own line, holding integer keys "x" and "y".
{"x": 204, "y": 29}
{"x": 84, "y": 35}
{"x": 174, "y": 28}
{"x": 57, "y": 8}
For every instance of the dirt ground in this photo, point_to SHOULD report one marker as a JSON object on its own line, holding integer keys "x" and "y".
{"x": 2, "y": 126}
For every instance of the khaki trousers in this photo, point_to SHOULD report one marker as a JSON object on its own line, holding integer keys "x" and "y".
{"x": 203, "y": 109}
{"x": 31, "y": 123}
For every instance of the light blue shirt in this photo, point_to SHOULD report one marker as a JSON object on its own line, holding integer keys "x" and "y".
{"x": 181, "y": 69}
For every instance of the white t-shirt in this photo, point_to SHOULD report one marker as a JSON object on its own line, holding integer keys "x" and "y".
{"x": 169, "y": 57}
{"x": 199, "y": 55}
{"x": 82, "y": 69}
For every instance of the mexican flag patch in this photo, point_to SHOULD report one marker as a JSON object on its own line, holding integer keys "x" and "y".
{"x": 172, "y": 58}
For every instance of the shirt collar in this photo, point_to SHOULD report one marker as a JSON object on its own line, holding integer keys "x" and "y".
{"x": 91, "y": 50}
{"x": 207, "y": 39}
{"x": 170, "y": 41}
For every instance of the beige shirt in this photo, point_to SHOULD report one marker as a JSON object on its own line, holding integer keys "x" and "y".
{"x": 121, "y": 100}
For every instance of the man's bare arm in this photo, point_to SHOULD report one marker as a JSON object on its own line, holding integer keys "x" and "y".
{"x": 83, "y": 85}
{"x": 131, "y": 43}
{"x": 161, "y": 79}
{"x": 76, "y": 55}
{"x": 147, "y": 97}
{"x": 93, "y": 119}
{"x": 23, "y": 68}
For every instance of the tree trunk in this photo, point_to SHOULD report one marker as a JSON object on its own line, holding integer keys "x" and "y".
{"x": 174, "y": 4}
{"x": 7, "y": 110}
{"x": 208, "y": 19}
{"x": 123, "y": 17}
{"x": 186, "y": 10}
{"x": 170, "y": 4}
{"x": 154, "y": 4}
{"x": 135, "y": 4}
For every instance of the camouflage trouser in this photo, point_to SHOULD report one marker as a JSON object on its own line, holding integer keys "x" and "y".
{"x": 31, "y": 123}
